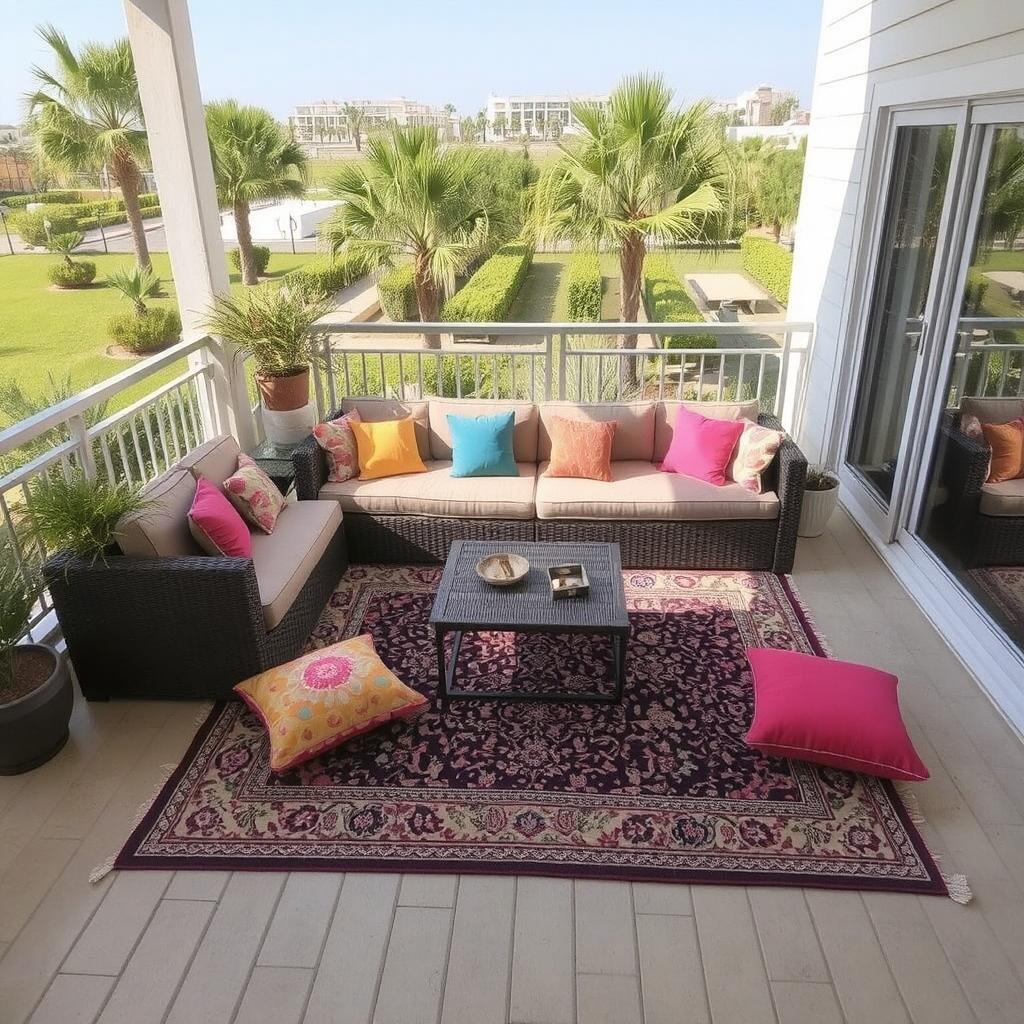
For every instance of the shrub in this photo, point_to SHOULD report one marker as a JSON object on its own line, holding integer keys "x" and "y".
{"x": 397, "y": 294}
{"x": 71, "y": 275}
{"x": 488, "y": 295}
{"x": 52, "y": 196}
{"x": 32, "y": 226}
{"x": 260, "y": 255}
{"x": 584, "y": 287}
{"x": 156, "y": 328}
{"x": 328, "y": 274}
{"x": 768, "y": 264}
{"x": 89, "y": 220}
{"x": 668, "y": 301}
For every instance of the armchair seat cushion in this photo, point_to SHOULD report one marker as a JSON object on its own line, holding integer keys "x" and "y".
{"x": 437, "y": 493}
{"x": 639, "y": 490}
{"x": 1003, "y": 499}
{"x": 284, "y": 559}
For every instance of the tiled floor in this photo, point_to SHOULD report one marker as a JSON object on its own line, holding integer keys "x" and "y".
{"x": 193, "y": 947}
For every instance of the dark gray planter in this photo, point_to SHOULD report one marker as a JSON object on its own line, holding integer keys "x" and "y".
{"x": 35, "y": 727}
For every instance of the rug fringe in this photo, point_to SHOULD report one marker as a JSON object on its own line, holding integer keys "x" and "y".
{"x": 203, "y": 713}
{"x": 795, "y": 596}
{"x": 959, "y": 890}
{"x": 105, "y": 866}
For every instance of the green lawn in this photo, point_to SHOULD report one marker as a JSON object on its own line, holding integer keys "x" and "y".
{"x": 64, "y": 332}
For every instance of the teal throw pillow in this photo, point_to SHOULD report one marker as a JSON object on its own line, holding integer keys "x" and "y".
{"x": 482, "y": 445}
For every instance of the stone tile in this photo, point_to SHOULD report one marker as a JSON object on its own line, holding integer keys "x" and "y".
{"x": 428, "y": 890}
{"x": 297, "y": 930}
{"x": 414, "y": 969}
{"x": 197, "y": 885}
{"x": 801, "y": 1002}
{"x": 27, "y": 880}
{"x": 275, "y": 995}
{"x": 788, "y": 940}
{"x": 543, "y": 969}
{"x": 671, "y": 971}
{"x": 72, "y": 999}
{"x": 659, "y": 898}
{"x": 608, "y": 999}
{"x": 605, "y": 940}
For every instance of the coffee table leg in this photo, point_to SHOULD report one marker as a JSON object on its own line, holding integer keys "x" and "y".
{"x": 619, "y": 650}
{"x": 442, "y": 671}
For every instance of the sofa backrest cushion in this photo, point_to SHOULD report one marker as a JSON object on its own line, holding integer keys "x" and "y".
{"x": 992, "y": 410}
{"x": 634, "y": 436}
{"x": 373, "y": 410}
{"x": 161, "y": 531}
{"x": 217, "y": 459}
{"x": 665, "y": 418}
{"x": 524, "y": 435}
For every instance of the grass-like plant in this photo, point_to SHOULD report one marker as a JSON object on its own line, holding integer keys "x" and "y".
{"x": 820, "y": 478}
{"x": 80, "y": 515}
{"x": 153, "y": 330}
{"x": 17, "y": 595}
{"x": 136, "y": 284}
{"x": 272, "y": 324}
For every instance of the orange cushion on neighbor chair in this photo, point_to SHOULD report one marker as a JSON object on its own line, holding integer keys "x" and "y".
{"x": 387, "y": 448}
{"x": 1007, "y": 443}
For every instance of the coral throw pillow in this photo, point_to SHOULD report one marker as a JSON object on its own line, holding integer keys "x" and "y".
{"x": 254, "y": 494}
{"x": 1007, "y": 443}
{"x": 339, "y": 444}
{"x": 702, "y": 448}
{"x": 754, "y": 453}
{"x": 581, "y": 448}
{"x": 313, "y": 704}
{"x": 830, "y": 712}
{"x": 387, "y": 448}
{"x": 216, "y": 525}
{"x": 482, "y": 445}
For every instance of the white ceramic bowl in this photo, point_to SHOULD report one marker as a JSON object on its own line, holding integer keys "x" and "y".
{"x": 502, "y": 569}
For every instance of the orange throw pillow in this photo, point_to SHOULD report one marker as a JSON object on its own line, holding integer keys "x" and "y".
{"x": 581, "y": 448}
{"x": 1007, "y": 443}
{"x": 387, "y": 448}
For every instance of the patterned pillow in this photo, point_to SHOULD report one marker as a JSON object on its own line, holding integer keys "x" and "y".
{"x": 254, "y": 494}
{"x": 339, "y": 443}
{"x": 754, "y": 453}
{"x": 318, "y": 701}
{"x": 581, "y": 448}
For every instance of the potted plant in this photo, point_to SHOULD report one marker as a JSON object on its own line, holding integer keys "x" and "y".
{"x": 821, "y": 495}
{"x": 36, "y": 695}
{"x": 272, "y": 325}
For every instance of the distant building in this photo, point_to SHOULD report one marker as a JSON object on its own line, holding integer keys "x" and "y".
{"x": 753, "y": 108}
{"x": 323, "y": 123}
{"x": 789, "y": 134}
{"x": 12, "y": 135}
{"x": 534, "y": 115}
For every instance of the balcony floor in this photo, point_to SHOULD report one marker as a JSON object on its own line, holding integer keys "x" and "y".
{"x": 212, "y": 947}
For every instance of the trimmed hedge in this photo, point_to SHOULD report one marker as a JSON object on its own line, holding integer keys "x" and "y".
{"x": 115, "y": 217}
{"x": 584, "y": 287}
{"x": 153, "y": 330}
{"x": 488, "y": 295}
{"x": 260, "y": 254}
{"x": 397, "y": 294}
{"x": 328, "y": 274}
{"x": 52, "y": 196}
{"x": 669, "y": 302}
{"x": 32, "y": 228}
{"x": 77, "y": 274}
{"x": 768, "y": 263}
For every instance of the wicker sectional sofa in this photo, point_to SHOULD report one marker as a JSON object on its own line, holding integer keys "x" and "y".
{"x": 659, "y": 519}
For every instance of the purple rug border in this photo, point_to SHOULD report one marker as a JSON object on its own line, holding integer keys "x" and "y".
{"x": 127, "y": 861}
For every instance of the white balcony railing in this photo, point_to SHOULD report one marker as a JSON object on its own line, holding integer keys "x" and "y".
{"x": 985, "y": 365}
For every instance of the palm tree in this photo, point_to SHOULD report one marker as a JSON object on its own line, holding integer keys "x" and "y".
{"x": 414, "y": 198}
{"x": 355, "y": 119}
{"x": 136, "y": 284}
{"x": 777, "y": 193}
{"x": 467, "y": 129}
{"x": 481, "y": 123}
{"x": 639, "y": 168}
{"x": 498, "y": 125}
{"x": 252, "y": 159}
{"x": 87, "y": 113}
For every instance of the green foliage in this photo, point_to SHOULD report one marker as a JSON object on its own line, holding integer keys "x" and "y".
{"x": 260, "y": 254}
{"x": 820, "y": 478}
{"x": 116, "y": 217}
{"x": 72, "y": 273}
{"x": 777, "y": 193}
{"x": 327, "y": 274}
{"x": 136, "y": 284}
{"x": 32, "y": 226}
{"x": 17, "y": 596}
{"x": 53, "y": 196}
{"x": 669, "y": 302}
{"x": 488, "y": 295}
{"x": 148, "y": 332}
{"x": 397, "y": 294}
{"x": 65, "y": 244}
{"x": 584, "y": 287}
{"x": 768, "y": 264}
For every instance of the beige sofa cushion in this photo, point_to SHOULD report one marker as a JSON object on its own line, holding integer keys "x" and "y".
{"x": 373, "y": 410}
{"x": 284, "y": 559}
{"x": 639, "y": 490}
{"x": 438, "y": 493}
{"x": 1005, "y": 499}
{"x": 161, "y": 531}
{"x": 993, "y": 410}
{"x": 665, "y": 418}
{"x": 634, "y": 435}
{"x": 217, "y": 459}
{"x": 524, "y": 437}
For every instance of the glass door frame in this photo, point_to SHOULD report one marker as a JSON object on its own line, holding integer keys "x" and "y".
{"x": 886, "y": 521}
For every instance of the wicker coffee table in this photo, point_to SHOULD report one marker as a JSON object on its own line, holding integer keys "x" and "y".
{"x": 465, "y": 603}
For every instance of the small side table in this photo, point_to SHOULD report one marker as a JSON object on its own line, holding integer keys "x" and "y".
{"x": 276, "y": 461}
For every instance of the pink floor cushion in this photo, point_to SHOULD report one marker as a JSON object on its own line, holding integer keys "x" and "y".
{"x": 830, "y": 712}
{"x": 702, "y": 447}
{"x": 215, "y": 523}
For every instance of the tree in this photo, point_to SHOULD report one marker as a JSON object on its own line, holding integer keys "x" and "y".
{"x": 412, "y": 198}
{"x": 481, "y": 123}
{"x": 639, "y": 168}
{"x": 782, "y": 111}
{"x": 540, "y": 125}
{"x": 777, "y": 193}
{"x": 136, "y": 284}
{"x": 87, "y": 113}
{"x": 498, "y": 125}
{"x": 556, "y": 128}
{"x": 252, "y": 159}
{"x": 355, "y": 119}
{"x": 467, "y": 129}
{"x": 449, "y": 110}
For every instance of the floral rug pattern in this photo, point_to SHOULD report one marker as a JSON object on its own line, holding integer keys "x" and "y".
{"x": 661, "y": 787}
{"x": 1005, "y": 585}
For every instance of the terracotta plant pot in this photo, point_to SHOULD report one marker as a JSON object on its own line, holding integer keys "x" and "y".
{"x": 283, "y": 394}
{"x": 34, "y": 727}
{"x": 816, "y": 511}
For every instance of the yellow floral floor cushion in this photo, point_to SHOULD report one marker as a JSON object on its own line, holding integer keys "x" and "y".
{"x": 318, "y": 701}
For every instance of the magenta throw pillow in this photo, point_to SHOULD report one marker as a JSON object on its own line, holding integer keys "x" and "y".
{"x": 702, "y": 448}
{"x": 830, "y": 712}
{"x": 215, "y": 523}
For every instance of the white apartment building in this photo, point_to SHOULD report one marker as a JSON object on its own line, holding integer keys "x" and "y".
{"x": 755, "y": 105}
{"x": 324, "y": 123}
{"x": 533, "y": 114}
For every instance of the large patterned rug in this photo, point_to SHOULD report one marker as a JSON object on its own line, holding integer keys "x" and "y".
{"x": 1004, "y": 584}
{"x": 659, "y": 788}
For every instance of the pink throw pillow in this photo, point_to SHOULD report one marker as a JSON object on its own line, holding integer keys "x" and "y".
{"x": 217, "y": 528}
{"x": 339, "y": 444}
{"x": 254, "y": 494}
{"x": 830, "y": 712}
{"x": 701, "y": 447}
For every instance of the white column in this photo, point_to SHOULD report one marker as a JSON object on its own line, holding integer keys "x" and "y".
{"x": 165, "y": 63}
